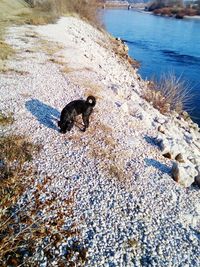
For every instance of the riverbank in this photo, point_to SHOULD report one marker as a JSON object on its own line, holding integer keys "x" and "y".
{"x": 142, "y": 9}
{"x": 105, "y": 197}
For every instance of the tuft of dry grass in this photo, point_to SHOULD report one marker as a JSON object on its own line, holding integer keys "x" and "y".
{"x": 91, "y": 88}
{"x": 14, "y": 152}
{"x": 6, "y": 119}
{"x": 5, "y": 50}
{"x": 157, "y": 100}
{"x": 67, "y": 69}
{"x": 6, "y": 70}
{"x": 50, "y": 48}
{"x": 168, "y": 94}
{"x": 57, "y": 61}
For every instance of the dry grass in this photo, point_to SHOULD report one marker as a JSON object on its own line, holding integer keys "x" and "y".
{"x": 8, "y": 15}
{"x": 63, "y": 64}
{"x": 7, "y": 70}
{"x": 121, "y": 50}
{"x": 22, "y": 228}
{"x": 48, "y": 11}
{"x": 170, "y": 93}
{"x": 14, "y": 152}
{"x": 50, "y": 48}
{"x": 91, "y": 88}
{"x": 108, "y": 152}
{"x": 57, "y": 61}
{"x": 5, "y": 50}
{"x": 157, "y": 100}
{"x": 6, "y": 119}
{"x": 67, "y": 69}
{"x": 25, "y": 230}
{"x": 85, "y": 9}
{"x": 20, "y": 12}
{"x": 102, "y": 146}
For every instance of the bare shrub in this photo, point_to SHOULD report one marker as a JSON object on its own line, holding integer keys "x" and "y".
{"x": 170, "y": 93}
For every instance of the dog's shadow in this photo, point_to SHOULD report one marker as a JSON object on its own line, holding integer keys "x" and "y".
{"x": 158, "y": 165}
{"x": 45, "y": 114}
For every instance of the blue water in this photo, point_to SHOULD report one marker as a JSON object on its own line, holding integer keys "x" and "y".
{"x": 162, "y": 45}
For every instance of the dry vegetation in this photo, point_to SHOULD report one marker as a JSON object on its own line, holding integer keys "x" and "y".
{"x": 121, "y": 49}
{"x": 108, "y": 153}
{"x": 5, "y": 50}
{"x": 168, "y": 94}
{"x": 24, "y": 12}
{"x": 49, "y": 10}
{"x": 6, "y": 119}
{"x": 176, "y": 12}
{"x": 14, "y": 152}
{"x": 104, "y": 149}
{"x": 22, "y": 228}
{"x": 6, "y": 70}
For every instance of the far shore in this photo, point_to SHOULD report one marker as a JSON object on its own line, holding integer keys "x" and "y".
{"x": 147, "y": 12}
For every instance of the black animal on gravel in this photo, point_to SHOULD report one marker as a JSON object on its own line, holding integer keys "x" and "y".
{"x": 73, "y": 109}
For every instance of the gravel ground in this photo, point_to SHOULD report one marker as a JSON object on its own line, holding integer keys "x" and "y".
{"x": 126, "y": 208}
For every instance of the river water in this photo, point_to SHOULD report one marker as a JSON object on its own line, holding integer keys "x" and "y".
{"x": 162, "y": 45}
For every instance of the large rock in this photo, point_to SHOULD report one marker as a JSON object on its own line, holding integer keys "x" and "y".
{"x": 197, "y": 178}
{"x": 184, "y": 173}
{"x": 169, "y": 145}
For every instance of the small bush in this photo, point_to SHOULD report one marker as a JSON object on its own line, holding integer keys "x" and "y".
{"x": 170, "y": 93}
{"x": 157, "y": 100}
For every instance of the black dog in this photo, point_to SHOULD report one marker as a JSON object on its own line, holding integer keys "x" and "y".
{"x": 73, "y": 109}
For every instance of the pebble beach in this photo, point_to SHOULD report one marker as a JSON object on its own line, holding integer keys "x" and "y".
{"x": 111, "y": 185}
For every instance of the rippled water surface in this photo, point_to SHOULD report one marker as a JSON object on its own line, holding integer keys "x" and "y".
{"x": 162, "y": 45}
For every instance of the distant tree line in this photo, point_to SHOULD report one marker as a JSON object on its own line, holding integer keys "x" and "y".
{"x": 175, "y": 8}
{"x": 157, "y": 4}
